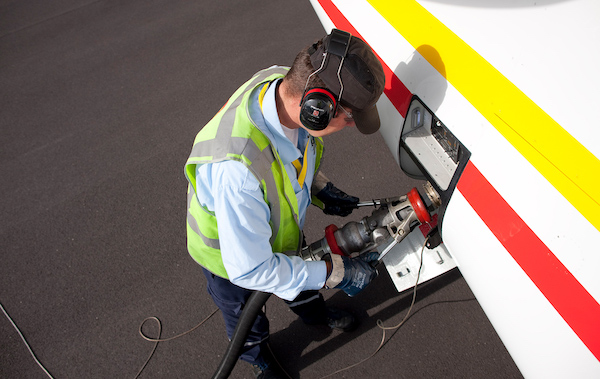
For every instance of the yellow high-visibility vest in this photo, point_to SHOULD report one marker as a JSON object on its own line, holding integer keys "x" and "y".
{"x": 233, "y": 135}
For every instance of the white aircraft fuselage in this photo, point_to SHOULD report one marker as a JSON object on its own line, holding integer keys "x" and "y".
{"x": 494, "y": 102}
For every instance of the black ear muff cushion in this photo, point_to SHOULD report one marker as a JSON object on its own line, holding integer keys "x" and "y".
{"x": 317, "y": 109}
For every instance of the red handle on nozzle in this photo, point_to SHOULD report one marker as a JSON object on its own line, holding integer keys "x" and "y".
{"x": 418, "y": 206}
{"x": 329, "y": 236}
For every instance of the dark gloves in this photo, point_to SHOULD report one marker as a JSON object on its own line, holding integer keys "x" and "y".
{"x": 352, "y": 275}
{"x": 335, "y": 201}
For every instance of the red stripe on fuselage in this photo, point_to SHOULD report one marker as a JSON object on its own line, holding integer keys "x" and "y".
{"x": 570, "y": 299}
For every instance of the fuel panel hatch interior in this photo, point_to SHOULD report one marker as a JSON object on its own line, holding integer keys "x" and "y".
{"x": 429, "y": 151}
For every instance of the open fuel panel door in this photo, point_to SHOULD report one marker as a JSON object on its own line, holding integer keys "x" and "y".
{"x": 428, "y": 151}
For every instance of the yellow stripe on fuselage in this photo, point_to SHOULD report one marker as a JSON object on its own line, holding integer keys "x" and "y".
{"x": 559, "y": 157}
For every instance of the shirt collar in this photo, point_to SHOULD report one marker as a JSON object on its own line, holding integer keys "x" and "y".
{"x": 272, "y": 127}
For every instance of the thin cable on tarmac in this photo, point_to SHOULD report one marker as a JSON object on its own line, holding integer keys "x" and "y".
{"x": 384, "y": 328}
{"x": 158, "y": 339}
{"x": 25, "y": 341}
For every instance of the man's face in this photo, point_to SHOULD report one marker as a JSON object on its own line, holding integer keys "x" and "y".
{"x": 343, "y": 118}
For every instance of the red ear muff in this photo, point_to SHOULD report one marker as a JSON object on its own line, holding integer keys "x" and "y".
{"x": 317, "y": 108}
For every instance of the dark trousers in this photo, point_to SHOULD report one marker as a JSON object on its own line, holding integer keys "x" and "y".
{"x": 309, "y": 306}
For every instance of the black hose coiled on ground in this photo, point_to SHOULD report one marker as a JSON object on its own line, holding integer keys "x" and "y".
{"x": 253, "y": 305}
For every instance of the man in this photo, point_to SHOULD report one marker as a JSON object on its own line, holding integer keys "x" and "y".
{"x": 252, "y": 173}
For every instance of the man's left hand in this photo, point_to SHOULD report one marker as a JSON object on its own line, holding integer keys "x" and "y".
{"x": 335, "y": 201}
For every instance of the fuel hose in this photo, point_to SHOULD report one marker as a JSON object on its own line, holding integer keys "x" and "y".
{"x": 253, "y": 306}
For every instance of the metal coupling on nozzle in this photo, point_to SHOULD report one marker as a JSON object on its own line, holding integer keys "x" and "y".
{"x": 394, "y": 218}
{"x": 315, "y": 251}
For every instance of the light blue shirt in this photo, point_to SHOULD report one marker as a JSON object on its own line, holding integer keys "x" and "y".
{"x": 231, "y": 191}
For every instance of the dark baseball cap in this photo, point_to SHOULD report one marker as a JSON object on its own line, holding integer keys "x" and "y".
{"x": 362, "y": 77}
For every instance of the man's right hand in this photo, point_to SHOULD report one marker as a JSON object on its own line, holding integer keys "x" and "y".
{"x": 352, "y": 275}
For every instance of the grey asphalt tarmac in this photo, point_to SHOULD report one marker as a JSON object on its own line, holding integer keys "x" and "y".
{"x": 99, "y": 105}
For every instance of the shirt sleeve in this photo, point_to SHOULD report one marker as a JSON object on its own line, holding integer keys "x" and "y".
{"x": 231, "y": 191}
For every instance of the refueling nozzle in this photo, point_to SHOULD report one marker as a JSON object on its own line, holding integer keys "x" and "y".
{"x": 393, "y": 218}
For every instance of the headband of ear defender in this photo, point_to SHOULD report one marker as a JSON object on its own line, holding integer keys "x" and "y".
{"x": 319, "y": 105}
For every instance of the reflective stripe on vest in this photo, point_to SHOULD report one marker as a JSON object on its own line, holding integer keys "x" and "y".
{"x": 261, "y": 164}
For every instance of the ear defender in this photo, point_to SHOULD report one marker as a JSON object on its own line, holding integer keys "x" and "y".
{"x": 318, "y": 105}
{"x": 317, "y": 109}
